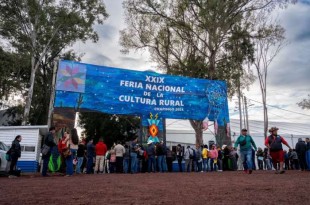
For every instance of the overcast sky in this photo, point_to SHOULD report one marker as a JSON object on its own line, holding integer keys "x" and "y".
{"x": 288, "y": 80}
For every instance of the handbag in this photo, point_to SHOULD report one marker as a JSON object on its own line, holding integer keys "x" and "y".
{"x": 45, "y": 149}
{"x": 242, "y": 143}
{"x": 66, "y": 152}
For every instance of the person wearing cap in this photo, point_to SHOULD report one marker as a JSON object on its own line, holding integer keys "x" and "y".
{"x": 246, "y": 142}
{"x": 274, "y": 143}
{"x": 151, "y": 156}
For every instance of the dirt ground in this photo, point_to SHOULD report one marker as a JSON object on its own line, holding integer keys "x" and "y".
{"x": 262, "y": 187}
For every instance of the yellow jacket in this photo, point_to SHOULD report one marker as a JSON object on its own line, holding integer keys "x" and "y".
{"x": 205, "y": 153}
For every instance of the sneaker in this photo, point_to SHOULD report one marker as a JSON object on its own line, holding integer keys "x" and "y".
{"x": 68, "y": 175}
{"x": 282, "y": 172}
{"x": 250, "y": 171}
{"x": 246, "y": 171}
{"x": 277, "y": 172}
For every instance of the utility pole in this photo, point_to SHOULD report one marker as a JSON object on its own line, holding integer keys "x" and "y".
{"x": 246, "y": 114}
{"x": 240, "y": 108}
{"x": 52, "y": 98}
{"x": 292, "y": 138}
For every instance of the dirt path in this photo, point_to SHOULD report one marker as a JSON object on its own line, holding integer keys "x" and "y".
{"x": 261, "y": 187}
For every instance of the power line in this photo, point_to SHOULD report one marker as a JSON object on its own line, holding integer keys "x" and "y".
{"x": 281, "y": 108}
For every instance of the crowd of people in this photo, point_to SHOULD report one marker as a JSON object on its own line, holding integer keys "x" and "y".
{"x": 79, "y": 157}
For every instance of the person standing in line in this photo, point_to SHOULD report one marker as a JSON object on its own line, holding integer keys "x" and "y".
{"x": 260, "y": 158}
{"x": 74, "y": 143}
{"x": 65, "y": 149}
{"x": 301, "y": 149}
{"x": 234, "y": 158}
{"x": 213, "y": 155}
{"x": 169, "y": 157}
{"x": 151, "y": 157}
{"x": 126, "y": 159}
{"x": 179, "y": 152}
{"x": 187, "y": 157}
{"x": 15, "y": 153}
{"x": 112, "y": 160}
{"x": 80, "y": 157}
{"x": 294, "y": 158}
{"x": 286, "y": 160}
{"x": 101, "y": 150}
{"x": 119, "y": 151}
{"x": 205, "y": 159}
{"x": 308, "y": 153}
{"x": 164, "y": 161}
{"x": 274, "y": 144}
{"x": 220, "y": 159}
{"x": 90, "y": 156}
{"x": 246, "y": 142}
{"x": 199, "y": 158}
{"x": 160, "y": 156}
{"x": 50, "y": 142}
{"x": 133, "y": 156}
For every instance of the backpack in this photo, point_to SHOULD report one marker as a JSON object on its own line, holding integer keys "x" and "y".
{"x": 193, "y": 154}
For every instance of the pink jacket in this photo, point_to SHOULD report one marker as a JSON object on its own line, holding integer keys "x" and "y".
{"x": 213, "y": 154}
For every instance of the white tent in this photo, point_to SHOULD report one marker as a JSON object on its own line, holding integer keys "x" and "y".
{"x": 180, "y": 131}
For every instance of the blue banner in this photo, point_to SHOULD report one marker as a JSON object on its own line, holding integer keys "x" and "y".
{"x": 120, "y": 91}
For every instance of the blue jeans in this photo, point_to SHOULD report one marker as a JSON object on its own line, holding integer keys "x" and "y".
{"x": 205, "y": 163}
{"x": 74, "y": 152}
{"x": 69, "y": 165}
{"x": 89, "y": 165}
{"x": 246, "y": 156}
{"x": 151, "y": 164}
{"x": 133, "y": 164}
{"x": 160, "y": 163}
{"x": 126, "y": 165}
{"x": 79, "y": 164}
{"x": 46, "y": 159}
{"x": 213, "y": 167}
{"x": 165, "y": 168}
{"x": 308, "y": 159}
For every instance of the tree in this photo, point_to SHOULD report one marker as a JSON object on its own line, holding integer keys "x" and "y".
{"x": 37, "y": 27}
{"x": 269, "y": 41}
{"x": 305, "y": 103}
{"x": 112, "y": 128}
{"x": 195, "y": 38}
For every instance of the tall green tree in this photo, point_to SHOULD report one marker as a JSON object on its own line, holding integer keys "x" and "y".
{"x": 197, "y": 38}
{"x": 43, "y": 29}
{"x": 112, "y": 128}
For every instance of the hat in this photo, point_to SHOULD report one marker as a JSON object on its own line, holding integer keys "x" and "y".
{"x": 150, "y": 142}
{"x": 224, "y": 146}
{"x": 244, "y": 130}
{"x": 273, "y": 129}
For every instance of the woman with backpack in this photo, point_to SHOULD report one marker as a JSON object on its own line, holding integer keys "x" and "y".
{"x": 15, "y": 153}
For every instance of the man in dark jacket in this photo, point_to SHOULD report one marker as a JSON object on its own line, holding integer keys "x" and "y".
{"x": 50, "y": 142}
{"x": 15, "y": 154}
{"x": 301, "y": 149}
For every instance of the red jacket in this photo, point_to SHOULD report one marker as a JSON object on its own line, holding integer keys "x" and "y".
{"x": 101, "y": 149}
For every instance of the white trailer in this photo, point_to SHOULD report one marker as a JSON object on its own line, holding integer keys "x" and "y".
{"x": 32, "y": 137}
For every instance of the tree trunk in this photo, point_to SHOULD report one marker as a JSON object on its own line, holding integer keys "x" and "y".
{"x": 25, "y": 120}
{"x": 197, "y": 125}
